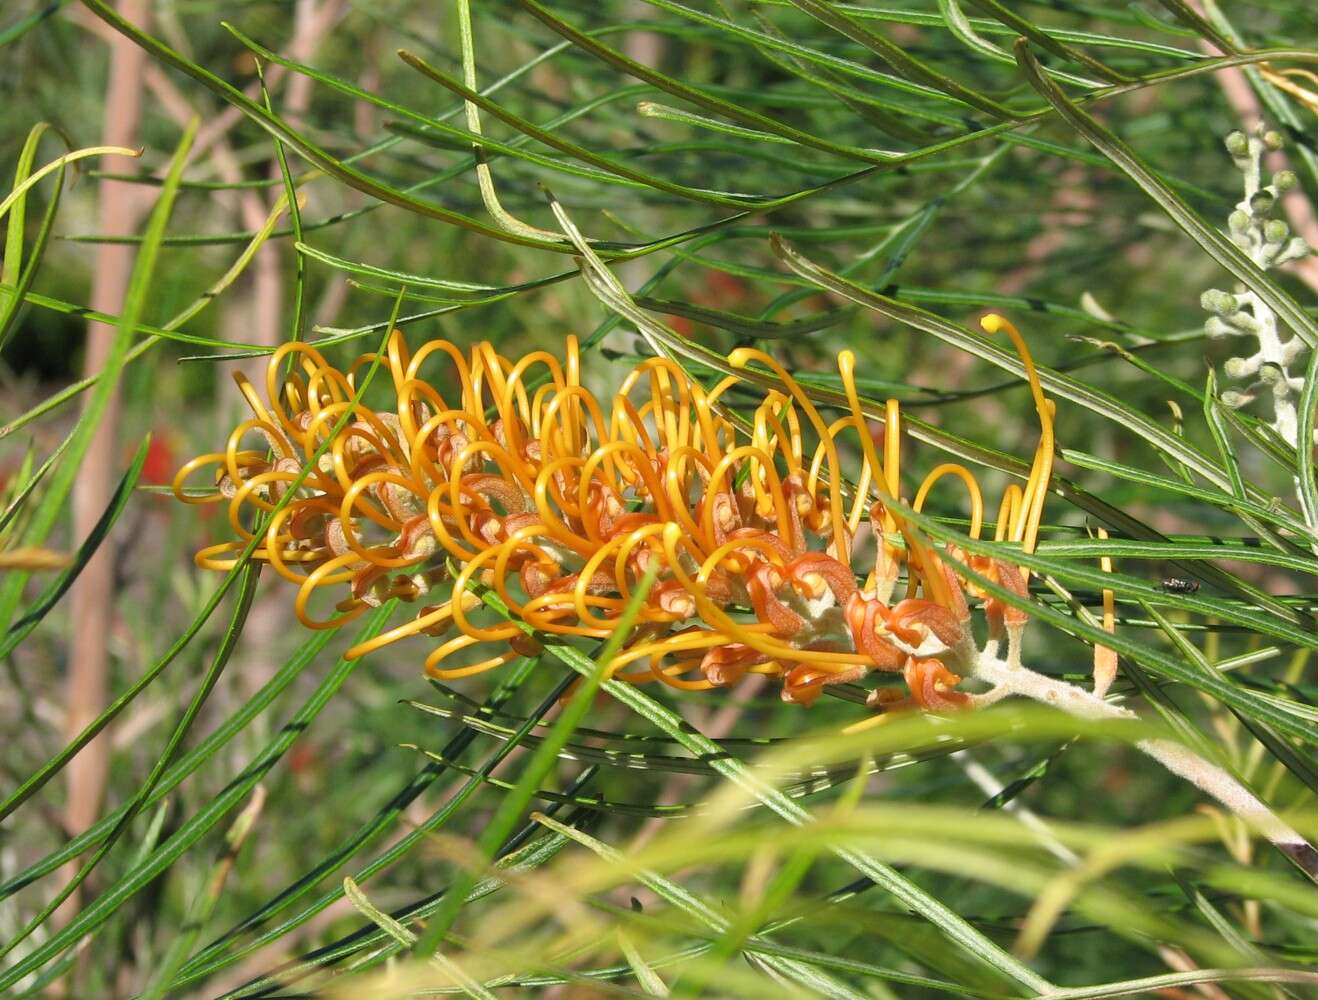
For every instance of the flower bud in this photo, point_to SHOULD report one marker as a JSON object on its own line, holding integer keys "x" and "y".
{"x": 1271, "y": 374}
{"x": 1237, "y": 144}
{"x": 1216, "y": 328}
{"x": 1242, "y": 322}
{"x": 1261, "y": 203}
{"x": 1273, "y": 140}
{"x": 1235, "y": 400}
{"x": 1238, "y": 221}
{"x": 1295, "y": 250}
{"x": 1218, "y": 302}
{"x": 1276, "y": 231}
{"x": 1284, "y": 180}
{"x": 1240, "y": 367}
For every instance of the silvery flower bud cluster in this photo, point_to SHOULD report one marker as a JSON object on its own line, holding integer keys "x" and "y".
{"x": 1269, "y": 243}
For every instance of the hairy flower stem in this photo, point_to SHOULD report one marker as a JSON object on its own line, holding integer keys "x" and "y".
{"x": 1007, "y": 680}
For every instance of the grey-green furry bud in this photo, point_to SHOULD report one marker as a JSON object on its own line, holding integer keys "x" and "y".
{"x": 1275, "y": 231}
{"x": 1237, "y": 144}
{"x": 1270, "y": 374}
{"x": 1295, "y": 250}
{"x": 1239, "y": 367}
{"x": 1217, "y": 301}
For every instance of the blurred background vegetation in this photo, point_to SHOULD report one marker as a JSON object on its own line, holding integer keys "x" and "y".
{"x": 663, "y": 129}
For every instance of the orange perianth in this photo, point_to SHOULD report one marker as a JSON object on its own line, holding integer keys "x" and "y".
{"x": 803, "y": 684}
{"x": 489, "y": 487}
{"x": 600, "y": 583}
{"x": 368, "y": 584}
{"x": 812, "y": 572}
{"x": 724, "y": 514}
{"x": 627, "y": 523}
{"x": 672, "y": 597}
{"x": 537, "y": 576}
{"x": 931, "y": 683}
{"x": 800, "y": 507}
{"x": 603, "y": 506}
{"x": 308, "y": 520}
{"x": 957, "y": 603}
{"x": 416, "y": 540}
{"x": 866, "y": 620}
{"x": 718, "y": 588}
{"x": 1010, "y": 578}
{"x": 767, "y": 539}
{"x": 762, "y": 583}
{"x": 724, "y": 666}
{"x": 907, "y": 619}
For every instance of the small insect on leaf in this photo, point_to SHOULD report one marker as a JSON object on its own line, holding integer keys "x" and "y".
{"x": 1176, "y": 585}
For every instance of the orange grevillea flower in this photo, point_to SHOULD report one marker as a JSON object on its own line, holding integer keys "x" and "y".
{"x": 514, "y": 475}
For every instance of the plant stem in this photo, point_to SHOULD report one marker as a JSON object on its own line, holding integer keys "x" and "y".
{"x": 1009, "y": 680}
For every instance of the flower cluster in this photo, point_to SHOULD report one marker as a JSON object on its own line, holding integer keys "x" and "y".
{"x": 515, "y": 477}
{"x": 1269, "y": 243}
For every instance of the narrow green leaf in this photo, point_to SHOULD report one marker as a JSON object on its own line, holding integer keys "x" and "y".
{"x": 30, "y": 480}
{"x": 203, "y": 904}
{"x": 1306, "y": 478}
{"x": 13, "y": 301}
{"x": 903, "y": 890}
{"x": 186, "y": 765}
{"x": 100, "y": 909}
{"x": 314, "y": 154}
{"x": 1045, "y": 41}
{"x": 210, "y": 959}
{"x": 743, "y": 326}
{"x": 898, "y": 58}
{"x": 960, "y": 26}
{"x": 1289, "y": 718}
{"x": 1216, "y": 426}
{"x": 1199, "y": 977}
{"x": 1193, "y": 20}
{"x": 810, "y": 979}
{"x": 1092, "y": 399}
{"x": 56, "y": 589}
{"x": 374, "y": 941}
{"x": 243, "y": 604}
{"x": 11, "y": 263}
{"x": 698, "y": 97}
{"x": 25, "y": 24}
{"x": 514, "y": 803}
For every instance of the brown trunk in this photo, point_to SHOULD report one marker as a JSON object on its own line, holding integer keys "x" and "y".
{"x": 92, "y": 597}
